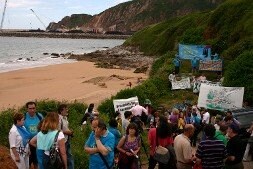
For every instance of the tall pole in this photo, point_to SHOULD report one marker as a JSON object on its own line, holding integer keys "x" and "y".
{"x": 38, "y": 18}
{"x": 5, "y": 5}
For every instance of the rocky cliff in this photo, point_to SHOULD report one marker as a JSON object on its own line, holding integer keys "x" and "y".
{"x": 69, "y": 22}
{"x": 136, "y": 14}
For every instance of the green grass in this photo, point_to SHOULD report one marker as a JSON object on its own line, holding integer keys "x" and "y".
{"x": 228, "y": 29}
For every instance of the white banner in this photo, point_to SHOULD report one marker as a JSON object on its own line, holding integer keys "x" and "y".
{"x": 184, "y": 83}
{"x": 122, "y": 105}
{"x": 196, "y": 85}
{"x": 220, "y": 98}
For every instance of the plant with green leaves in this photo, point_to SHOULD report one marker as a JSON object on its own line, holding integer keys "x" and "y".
{"x": 240, "y": 74}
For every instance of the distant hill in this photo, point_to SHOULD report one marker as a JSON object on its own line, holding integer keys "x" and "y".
{"x": 70, "y": 22}
{"x": 136, "y": 14}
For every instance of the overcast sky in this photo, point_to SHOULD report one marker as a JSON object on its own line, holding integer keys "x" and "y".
{"x": 19, "y": 16}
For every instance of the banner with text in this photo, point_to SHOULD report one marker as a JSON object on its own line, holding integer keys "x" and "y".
{"x": 184, "y": 83}
{"x": 220, "y": 98}
{"x": 210, "y": 65}
{"x": 122, "y": 105}
{"x": 202, "y": 52}
{"x": 196, "y": 85}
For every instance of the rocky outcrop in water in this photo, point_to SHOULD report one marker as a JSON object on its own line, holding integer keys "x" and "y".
{"x": 119, "y": 57}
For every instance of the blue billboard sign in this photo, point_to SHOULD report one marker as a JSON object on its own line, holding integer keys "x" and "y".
{"x": 201, "y": 52}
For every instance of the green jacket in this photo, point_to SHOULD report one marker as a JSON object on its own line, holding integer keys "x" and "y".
{"x": 220, "y": 136}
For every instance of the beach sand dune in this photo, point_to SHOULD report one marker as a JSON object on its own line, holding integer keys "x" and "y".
{"x": 80, "y": 81}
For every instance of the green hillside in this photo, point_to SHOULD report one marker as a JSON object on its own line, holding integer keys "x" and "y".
{"x": 229, "y": 29}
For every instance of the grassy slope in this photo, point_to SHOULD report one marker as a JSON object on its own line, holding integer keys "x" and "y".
{"x": 228, "y": 29}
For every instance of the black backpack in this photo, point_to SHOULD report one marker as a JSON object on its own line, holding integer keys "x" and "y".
{"x": 55, "y": 161}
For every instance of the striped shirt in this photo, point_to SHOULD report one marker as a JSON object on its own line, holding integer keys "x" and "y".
{"x": 211, "y": 152}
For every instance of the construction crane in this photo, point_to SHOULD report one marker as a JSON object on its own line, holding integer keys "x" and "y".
{"x": 2, "y": 21}
{"x": 39, "y": 19}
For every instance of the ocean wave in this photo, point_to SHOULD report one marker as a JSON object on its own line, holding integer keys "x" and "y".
{"x": 25, "y": 64}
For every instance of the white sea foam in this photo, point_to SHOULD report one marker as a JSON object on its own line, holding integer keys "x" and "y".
{"x": 24, "y": 64}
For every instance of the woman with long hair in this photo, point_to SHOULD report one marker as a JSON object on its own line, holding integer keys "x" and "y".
{"x": 89, "y": 114}
{"x": 129, "y": 147}
{"x": 18, "y": 139}
{"x": 45, "y": 139}
{"x": 165, "y": 139}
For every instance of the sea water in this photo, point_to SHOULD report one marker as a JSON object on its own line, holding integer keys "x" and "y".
{"x": 28, "y": 52}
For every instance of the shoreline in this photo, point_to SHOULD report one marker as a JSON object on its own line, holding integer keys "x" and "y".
{"x": 62, "y": 35}
{"x": 81, "y": 81}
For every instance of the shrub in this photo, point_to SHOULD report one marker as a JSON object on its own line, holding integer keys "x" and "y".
{"x": 6, "y": 121}
{"x": 240, "y": 74}
{"x": 107, "y": 107}
{"x": 163, "y": 65}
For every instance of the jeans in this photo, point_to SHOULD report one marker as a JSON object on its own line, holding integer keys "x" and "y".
{"x": 70, "y": 159}
{"x": 40, "y": 156}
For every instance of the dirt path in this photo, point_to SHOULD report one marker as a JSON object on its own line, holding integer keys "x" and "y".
{"x": 5, "y": 158}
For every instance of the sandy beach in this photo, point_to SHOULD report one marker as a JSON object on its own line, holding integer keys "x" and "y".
{"x": 80, "y": 81}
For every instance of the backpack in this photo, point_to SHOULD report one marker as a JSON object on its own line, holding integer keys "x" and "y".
{"x": 54, "y": 161}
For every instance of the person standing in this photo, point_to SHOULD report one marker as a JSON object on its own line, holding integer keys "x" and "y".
{"x": 100, "y": 146}
{"x": 195, "y": 85}
{"x": 221, "y": 134}
{"x": 163, "y": 134}
{"x": 181, "y": 123}
{"x": 177, "y": 64}
{"x": 194, "y": 63}
{"x": 196, "y": 123}
{"x": 172, "y": 77}
{"x": 126, "y": 121}
{"x": 18, "y": 140}
{"x": 149, "y": 108}
{"x": 89, "y": 114}
{"x": 129, "y": 147}
{"x": 211, "y": 152}
{"x": 206, "y": 118}
{"x": 173, "y": 118}
{"x": 45, "y": 139}
{"x": 249, "y": 144}
{"x": 202, "y": 78}
{"x": 113, "y": 128}
{"x": 234, "y": 148}
{"x": 139, "y": 113}
{"x": 32, "y": 119}
{"x": 183, "y": 149}
{"x": 64, "y": 127}
{"x": 230, "y": 119}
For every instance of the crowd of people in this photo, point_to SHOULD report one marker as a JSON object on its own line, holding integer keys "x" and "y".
{"x": 32, "y": 136}
{"x": 215, "y": 138}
